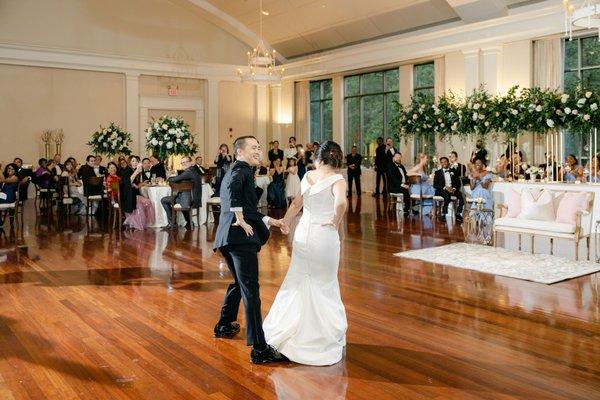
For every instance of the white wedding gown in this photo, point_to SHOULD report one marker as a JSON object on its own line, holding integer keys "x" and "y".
{"x": 307, "y": 322}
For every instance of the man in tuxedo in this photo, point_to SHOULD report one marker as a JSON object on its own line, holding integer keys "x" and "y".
{"x": 398, "y": 180}
{"x": 158, "y": 168}
{"x": 241, "y": 232}
{"x": 98, "y": 168}
{"x": 290, "y": 151}
{"x": 88, "y": 170}
{"x": 58, "y": 167}
{"x": 198, "y": 166}
{"x": 390, "y": 151}
{"x": 447, "y": 184}
{"x": 380, "y": 166}
{"x": 183, "y": 198}
{"x": 458, "y": 168}
{"x": 275, "y": 153}
{"x": 479, "y": 153}
{"x": 353, "y": 161}
{"x": 146, "y": 170}
{"x": 24, "y": 175}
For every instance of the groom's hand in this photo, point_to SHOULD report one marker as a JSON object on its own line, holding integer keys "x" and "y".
{"x": 280, "y": 224}
{"x": 245, "y": 226}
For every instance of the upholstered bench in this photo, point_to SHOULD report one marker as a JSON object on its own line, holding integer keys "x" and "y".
{"x": 565, "y": 215}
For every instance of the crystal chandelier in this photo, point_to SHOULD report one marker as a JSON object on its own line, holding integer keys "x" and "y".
{"x": 585, "y": 16}
{"x": 261, "y": 62}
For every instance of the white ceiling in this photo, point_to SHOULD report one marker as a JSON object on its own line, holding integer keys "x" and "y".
{"x": 299, "y": 27}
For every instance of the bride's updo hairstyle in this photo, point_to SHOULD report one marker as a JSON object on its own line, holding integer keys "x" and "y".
{"x": 329, "y": 153}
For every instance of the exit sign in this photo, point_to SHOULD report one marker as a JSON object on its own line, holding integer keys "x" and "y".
{"x": 172, "y": 90}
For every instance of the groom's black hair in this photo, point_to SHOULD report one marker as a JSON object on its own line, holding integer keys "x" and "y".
{"x": 240, "y": 143}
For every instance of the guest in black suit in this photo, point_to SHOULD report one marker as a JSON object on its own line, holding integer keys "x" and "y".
{"x": 58, "y": 167}
{"x": 158, "y": 168}
{"x": 390, "y": 151}
{"x": 398, "y": 180}
{"x": 241, "y": 232}
{"x": 479, "y": 153}
{"x": 100, "y": 170}
{"x": 447, "y": 184}
{"x": 353, "y": 161}
{"x": 24, "y": 175}
{"x": 458, "y": 168}
{"x": 189, "y": 174}
{"x": 88, "y": 170}
{"x": 380, "y": 166}
{"x": 198, "y": 166}
{"x": 146, "y": 175}
{"x": 275, "y": 153}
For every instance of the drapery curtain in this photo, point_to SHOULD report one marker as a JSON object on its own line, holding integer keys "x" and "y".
{"x": 548, "y": 63}
{"x": 301, "y": 115}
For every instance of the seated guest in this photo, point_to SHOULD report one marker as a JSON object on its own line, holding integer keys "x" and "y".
{"x": 573, "y": 171}
{"x": 479, "y": 151}
{"x": 183, "y": 198}
{"x": 112, "y": 177}
{"x": 42, "y": 176}
{"x": 517, "y": 168}
{"x": 90, "y": 170}
{"x": 262, "y": 170}
{"x": 502, "y": 166}
{"x": 397, "y": 179}
{"x": 122, "y": 165}
{"x": 458, "y": 168}
{"x": 138, "y": 210}
{"x": 9, "y": 183}
{"x": 423, "y": 187}
{"x": 75, "y": 185}
{"x": 158, "y": 168}
{"x": 545, "y": 171}
{"x": 24, "y": 175}
{"x": 198, "y": 166}
{"x": 480, "y": 183}
{"x": 99, "y": 168}
{"x": 146, "y": 174}
{"x": 73, "y": 161}
{"x": 446, "y": 182}
{"x": 276, "y": 189}
{"x": 58, "y": 166}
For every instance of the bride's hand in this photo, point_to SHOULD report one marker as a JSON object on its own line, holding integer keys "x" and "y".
{"x": 328, "y": 223}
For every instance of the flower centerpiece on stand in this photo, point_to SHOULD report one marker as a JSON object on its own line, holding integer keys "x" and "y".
{"x": 110, "y": 141}
{"x": 169, "y": 136}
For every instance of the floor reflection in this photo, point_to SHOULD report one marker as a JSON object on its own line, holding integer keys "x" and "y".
{"x": 308, "y": 382}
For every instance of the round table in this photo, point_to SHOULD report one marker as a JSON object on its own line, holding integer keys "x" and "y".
{"x": 263, "y": 182}
{"x": 156, "y": 192}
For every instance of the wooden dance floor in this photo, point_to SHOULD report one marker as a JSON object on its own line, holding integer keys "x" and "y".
{"x": 98, "y": 317}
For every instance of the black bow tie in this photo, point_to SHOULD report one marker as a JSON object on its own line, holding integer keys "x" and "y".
{"x": 445, "y": 170}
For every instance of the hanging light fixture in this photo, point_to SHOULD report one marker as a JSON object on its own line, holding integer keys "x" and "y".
{"x": 586, "y": 16}
{"x": 261, "y": 62}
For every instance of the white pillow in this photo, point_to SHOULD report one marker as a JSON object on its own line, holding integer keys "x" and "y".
{"x": 540, "y": 208}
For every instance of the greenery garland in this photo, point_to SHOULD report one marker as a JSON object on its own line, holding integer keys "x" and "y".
{"x": 110, "y": 141}
{"x": 482, "y": 115}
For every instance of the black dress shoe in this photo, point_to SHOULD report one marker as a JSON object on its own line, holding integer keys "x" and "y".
{"x": 227, "y": 330}
{"x": 166, "y": 228}
{"x": 268, "y": 355}
{"x": 459, "y": 218}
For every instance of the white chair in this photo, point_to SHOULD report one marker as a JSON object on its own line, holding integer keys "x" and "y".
{"x": 213, "y": 205}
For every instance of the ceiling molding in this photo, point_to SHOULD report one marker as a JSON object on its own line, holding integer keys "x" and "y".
{"x": 229, "y": 24}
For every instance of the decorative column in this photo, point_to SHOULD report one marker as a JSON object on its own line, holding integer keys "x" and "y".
{"x": 338, "y": 111}
{"x": 261, "y": 98}
{"x": 211, "y": 122}
{"x": 132, "y": 112}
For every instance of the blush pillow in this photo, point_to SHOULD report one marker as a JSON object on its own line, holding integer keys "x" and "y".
{"x": 514, "y": 204}
{"x": 569, "y": 205}
{"x": 540, "y": 208}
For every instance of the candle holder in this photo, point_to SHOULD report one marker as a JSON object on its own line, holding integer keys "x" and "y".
{"x": 46, "y": 138}
{"x": 58, "y": 138}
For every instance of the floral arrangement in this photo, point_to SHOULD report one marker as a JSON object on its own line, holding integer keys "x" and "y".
{"x": 476, "y": 112}
{"x": 533, "y": 170}
{"x": 110, "y": 141}
{"x": 481, "y": 114}
{"x": 169, "y": 136}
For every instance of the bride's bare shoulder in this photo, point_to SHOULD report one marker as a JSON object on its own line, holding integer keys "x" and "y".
{"x": 309, "y": 177}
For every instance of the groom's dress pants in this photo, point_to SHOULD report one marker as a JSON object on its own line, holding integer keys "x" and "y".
{"x": 242, "y": 261}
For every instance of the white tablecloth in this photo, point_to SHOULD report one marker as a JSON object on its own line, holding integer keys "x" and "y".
{"x": 367, "y": 179}
{"x": 156, "y": 193}
{"x": 263, "y": 183}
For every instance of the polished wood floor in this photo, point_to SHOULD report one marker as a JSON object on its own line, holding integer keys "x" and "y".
{"x": 94, "y": 316}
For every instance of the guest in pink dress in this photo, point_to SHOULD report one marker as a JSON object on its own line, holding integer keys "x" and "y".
{"x": 139, "y": 212}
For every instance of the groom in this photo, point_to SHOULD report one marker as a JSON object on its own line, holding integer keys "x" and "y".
{"x": 241, "y": 232}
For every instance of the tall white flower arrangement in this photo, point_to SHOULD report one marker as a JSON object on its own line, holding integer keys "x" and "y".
{"x": 169, "y": 136}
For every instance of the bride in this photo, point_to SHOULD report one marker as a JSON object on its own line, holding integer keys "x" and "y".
{"x": 307, "y": 322}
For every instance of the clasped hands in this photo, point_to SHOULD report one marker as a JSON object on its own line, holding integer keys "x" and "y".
{"x": 280, "y": 223}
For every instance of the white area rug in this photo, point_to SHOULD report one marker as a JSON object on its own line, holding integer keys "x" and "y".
{"x": 540, "y": 268}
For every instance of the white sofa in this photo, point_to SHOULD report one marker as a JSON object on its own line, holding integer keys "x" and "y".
{"x": 552, "y": 229}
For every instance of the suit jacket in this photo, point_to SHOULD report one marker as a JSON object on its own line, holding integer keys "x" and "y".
{"x": 85, "y": 171}
{"x": 439, "y": 181}
{"x": 199, "y": 170}
{"x": 395, "y": 178}
{"x": 159, "y": 170}
{"x": 389, "y": 156}
{"x": 189, "y": 174}
{"x": 356, "y": 160}
{"x": 146, "y": 175}
{"x": 238, "y": 191}
{"x": 380, "y": 161}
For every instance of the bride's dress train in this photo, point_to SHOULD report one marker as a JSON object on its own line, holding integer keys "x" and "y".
{"x": 307, "y": 322}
